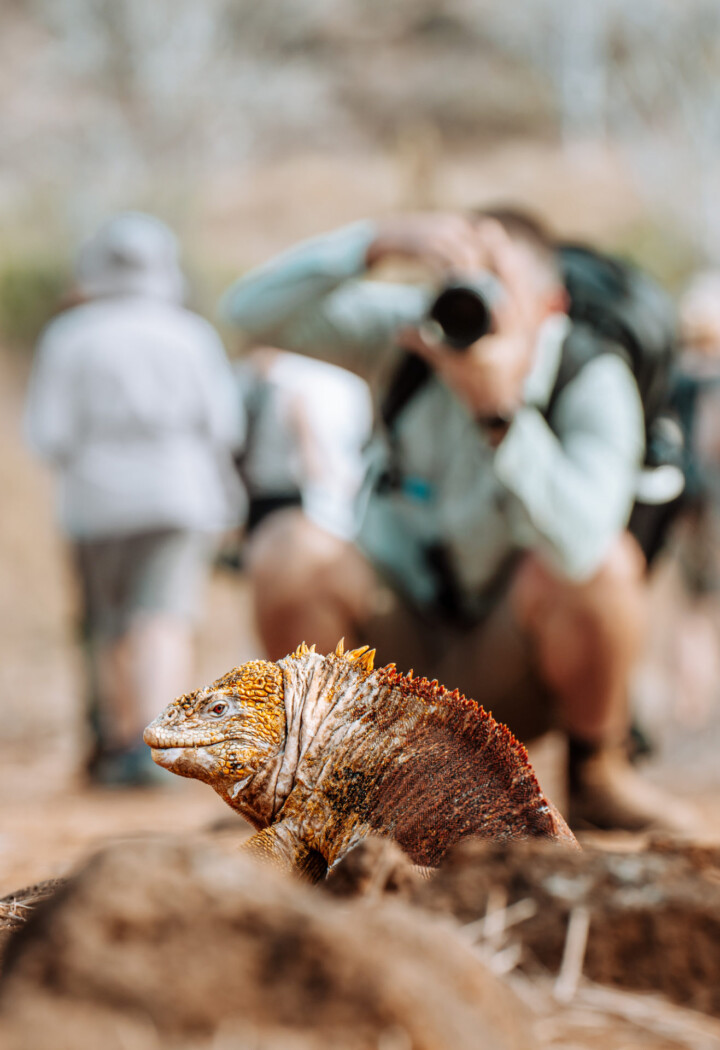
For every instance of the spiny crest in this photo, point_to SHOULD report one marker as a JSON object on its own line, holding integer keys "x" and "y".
{"x": 477, "y": 723}
{"x": 303, "y": 650}
{"x": 363, "y": 658}
{"x": 426, "y": 690}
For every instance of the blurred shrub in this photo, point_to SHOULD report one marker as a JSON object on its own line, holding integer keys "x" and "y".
{"x": 31, "y": 291}
{"x": 34, "y": 288}
{"x": 665, "y": 250}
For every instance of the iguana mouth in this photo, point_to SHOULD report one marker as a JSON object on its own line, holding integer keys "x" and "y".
{"x": 161, "y": 740}
{"x": 188, "y": 746}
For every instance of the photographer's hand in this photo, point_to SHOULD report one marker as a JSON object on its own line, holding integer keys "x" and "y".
{"x": 444, "y": 242}
{"x": 489, "y": 376}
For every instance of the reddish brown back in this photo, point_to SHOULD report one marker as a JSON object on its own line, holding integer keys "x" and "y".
{"x": 463, "y": 774}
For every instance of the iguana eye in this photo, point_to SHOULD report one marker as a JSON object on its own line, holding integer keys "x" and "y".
{"x": 219, "y": 708}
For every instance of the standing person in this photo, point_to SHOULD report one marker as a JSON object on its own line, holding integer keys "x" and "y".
{"x": 132, "y": 402}
{"x": 692, "y": 647}
{"x": 492, "y": 551}
{"x": 696, "y": 396}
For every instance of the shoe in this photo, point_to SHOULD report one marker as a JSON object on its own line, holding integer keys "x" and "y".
{"x": 129, "y": 767}
{"x": 607, "y": 793}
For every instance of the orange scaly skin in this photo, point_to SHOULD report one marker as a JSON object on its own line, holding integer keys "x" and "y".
{"x": 319, "y": 752}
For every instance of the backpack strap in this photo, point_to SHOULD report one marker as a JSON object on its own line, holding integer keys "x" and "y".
{"x": 582, "y": 345}
{"x": 410, "y": 376}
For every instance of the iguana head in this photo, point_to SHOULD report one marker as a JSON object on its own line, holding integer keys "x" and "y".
{"x": 246, "y": 733}
{"x": 226, "y": 732}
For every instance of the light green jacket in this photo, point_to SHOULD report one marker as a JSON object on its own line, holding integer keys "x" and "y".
{"x": 566, "y": 496}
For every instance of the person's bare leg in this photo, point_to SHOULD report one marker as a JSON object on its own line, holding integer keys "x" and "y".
{"x": 140, "y": 672}
{"x": 307, "y": 584}
{"x": 161, "y": 665}
{"x": 116, "y": 691}
{"x": 588, "y": 637}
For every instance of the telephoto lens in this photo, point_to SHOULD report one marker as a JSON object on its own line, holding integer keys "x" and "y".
{"x": 462, "y": 312}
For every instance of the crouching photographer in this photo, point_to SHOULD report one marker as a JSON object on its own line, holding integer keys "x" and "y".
{"x": 492, "y": 550}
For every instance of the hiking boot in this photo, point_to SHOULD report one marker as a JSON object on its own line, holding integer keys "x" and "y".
{"x": 127, "y": 768}
{"x": 606, "y": 792}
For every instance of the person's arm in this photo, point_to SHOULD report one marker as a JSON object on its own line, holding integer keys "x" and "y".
{"x": 574, "y": 493}
{"x": 50, "y": 421}
{"x": 267, "y": 298}
{"x": 312, "y": 299}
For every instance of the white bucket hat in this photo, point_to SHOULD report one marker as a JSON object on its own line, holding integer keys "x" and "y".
{"x": 131, "y": 254}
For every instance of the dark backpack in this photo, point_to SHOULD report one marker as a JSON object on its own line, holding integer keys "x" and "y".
{"x": 617, "y": 308}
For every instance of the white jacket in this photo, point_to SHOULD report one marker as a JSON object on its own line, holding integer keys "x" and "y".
{"x": 133, "y": 400}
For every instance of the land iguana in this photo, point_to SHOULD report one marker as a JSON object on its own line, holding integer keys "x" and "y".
{"x": 318, "y": 752}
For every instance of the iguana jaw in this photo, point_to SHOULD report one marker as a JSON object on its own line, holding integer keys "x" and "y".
{"x": 175, "y": 759}
{"x": 212, "y": 767}
{"x": 211, "y": 761}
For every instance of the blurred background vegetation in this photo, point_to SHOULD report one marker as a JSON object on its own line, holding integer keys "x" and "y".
{"x": 248, "y": 124}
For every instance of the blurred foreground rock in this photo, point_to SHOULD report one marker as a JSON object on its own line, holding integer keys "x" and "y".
{"x": 652, "y": 917}
{"x": 376, "y": 867}
{"x": 185, "y": 947}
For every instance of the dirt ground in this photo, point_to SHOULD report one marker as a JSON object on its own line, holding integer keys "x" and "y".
{"x": 49, "y": 820}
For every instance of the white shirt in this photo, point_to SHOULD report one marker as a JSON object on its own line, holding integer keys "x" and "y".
{"x": 310, "y": 424}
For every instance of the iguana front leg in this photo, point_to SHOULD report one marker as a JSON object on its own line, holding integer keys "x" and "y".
{"x": 282, "y": 845}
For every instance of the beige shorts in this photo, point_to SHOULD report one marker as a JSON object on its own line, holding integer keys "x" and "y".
{"x": 492, "y": 661}
{"x": 158, "y": 571}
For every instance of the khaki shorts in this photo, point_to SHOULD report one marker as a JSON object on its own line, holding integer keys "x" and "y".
{"x": 162, "y": 571}
{"x": 491, "y": 662}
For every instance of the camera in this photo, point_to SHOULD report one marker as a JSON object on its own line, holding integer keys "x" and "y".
{"x": 462, "y": 312}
